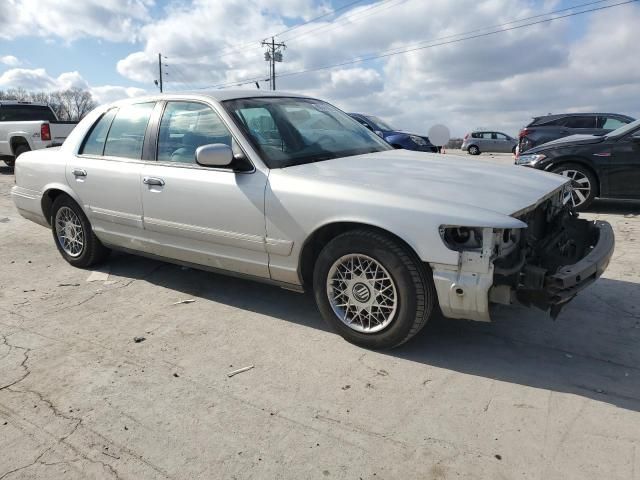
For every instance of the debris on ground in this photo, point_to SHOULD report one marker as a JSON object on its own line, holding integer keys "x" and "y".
{"x": 176, "y": 375}
{"x": 98, "y": 277}
{"x": 139, "y": 339}
{"x": 240, "y": 370}
{"x": 68, "y": 284}
{"x": 346, "y": 387}
{"x": 181, "y": 302}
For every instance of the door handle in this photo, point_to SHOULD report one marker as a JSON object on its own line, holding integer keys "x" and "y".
{"x": 78, "y": 172}
{"x": 153, "y": 181}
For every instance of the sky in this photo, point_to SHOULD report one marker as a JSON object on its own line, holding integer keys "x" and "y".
{"x": 587, "y": 62}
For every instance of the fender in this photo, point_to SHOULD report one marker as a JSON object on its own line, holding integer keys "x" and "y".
{"x": 47, "y": 200}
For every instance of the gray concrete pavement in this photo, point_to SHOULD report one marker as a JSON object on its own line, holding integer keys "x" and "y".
{"x": 525, "y": 397}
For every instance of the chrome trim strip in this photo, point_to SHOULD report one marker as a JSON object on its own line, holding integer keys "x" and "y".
{"x": 279, "y": 247}
{"x": 114, "y": 216}
{"x": 204, "y": 234}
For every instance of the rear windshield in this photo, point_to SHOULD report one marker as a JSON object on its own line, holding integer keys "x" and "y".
{"x": 26, "y": 113}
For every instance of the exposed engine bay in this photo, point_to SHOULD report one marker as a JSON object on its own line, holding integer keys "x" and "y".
{"x": 543, "y": 265}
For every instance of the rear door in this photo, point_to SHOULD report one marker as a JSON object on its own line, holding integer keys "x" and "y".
{"x": 202, "y": 215}
{"x": 105, "y": 174}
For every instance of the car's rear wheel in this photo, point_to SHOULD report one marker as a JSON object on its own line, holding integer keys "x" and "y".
{"x": 19, "y": 151}
{"x": 474, "y": 150}
{"x": 373, "y": 290}
{"x": 584, "y": 183}
{"x": 73, "y": 234}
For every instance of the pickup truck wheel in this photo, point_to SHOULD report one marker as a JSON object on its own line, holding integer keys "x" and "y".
{"x": 585, "y": 184}
{"x": 372, "y": 290}
{"x": 73, "y": 234}
{"x": 474, "y": 150}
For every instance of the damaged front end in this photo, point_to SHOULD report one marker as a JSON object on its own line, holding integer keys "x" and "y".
{"x": 545, "y": 264}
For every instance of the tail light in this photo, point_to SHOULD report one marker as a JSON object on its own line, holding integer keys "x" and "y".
{"x": 45, "y": 132}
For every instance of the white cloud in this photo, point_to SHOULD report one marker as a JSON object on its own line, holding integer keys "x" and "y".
{"x": 10, "y": 61}
{"x": 39, "y": 80}
{"x": 114, "y": 20}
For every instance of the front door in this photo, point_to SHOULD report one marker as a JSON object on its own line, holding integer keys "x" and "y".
{"x": 105, "y": 174}
{"x": 202, "y": 215}
{"x": 624, "y": 167}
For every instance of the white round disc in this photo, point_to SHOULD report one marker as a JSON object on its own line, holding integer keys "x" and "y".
{"x": 439, "y": 135}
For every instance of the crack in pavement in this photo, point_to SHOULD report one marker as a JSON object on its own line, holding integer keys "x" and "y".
{"x": 23, "y": 364}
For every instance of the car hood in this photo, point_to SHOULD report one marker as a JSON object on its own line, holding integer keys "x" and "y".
{"x": 435, "y": 179}
{"x": 569, "y": 141}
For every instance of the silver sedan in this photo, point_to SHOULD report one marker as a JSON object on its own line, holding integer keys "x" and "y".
{"x": 290, "y": 190}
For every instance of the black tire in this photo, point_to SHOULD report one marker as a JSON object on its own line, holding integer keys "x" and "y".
{"x": 413, "y": 281}
{"x": 473, "y": 150}
{"x": 588, "y": 174}
{"x": 92, "y": 251}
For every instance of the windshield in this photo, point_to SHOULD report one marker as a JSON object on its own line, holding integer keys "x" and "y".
{"x": 381, "y": 124}
{"x": 624, "y": 129}
{"x": 292, "y": 131}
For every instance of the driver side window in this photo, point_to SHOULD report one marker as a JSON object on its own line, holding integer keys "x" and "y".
{"x": 184, "y": 127}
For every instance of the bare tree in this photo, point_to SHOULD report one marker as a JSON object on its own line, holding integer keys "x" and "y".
{"x": 71, "y": 104}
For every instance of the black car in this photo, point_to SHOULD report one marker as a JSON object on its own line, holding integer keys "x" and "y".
{"x": 551, "y": 127}
{"x": 397, "y": 138}
{"x": 600, "y": 166}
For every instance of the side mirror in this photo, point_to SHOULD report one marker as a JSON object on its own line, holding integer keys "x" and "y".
{"x": 214, "y": 155}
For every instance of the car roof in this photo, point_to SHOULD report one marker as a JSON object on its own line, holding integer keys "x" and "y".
{"x": 216, "y": 95}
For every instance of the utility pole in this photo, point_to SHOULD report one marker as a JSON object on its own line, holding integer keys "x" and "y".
{"x": 160, "y": 71}
{"x": 273, "y": 55}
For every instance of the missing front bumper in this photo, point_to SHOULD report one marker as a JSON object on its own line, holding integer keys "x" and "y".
{"x": 555, "y": 290}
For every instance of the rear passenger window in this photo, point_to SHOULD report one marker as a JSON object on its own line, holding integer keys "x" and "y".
{"x": 126, "y": 135}
{"x": 94, "y": 143}
{"x": 580, "y": 122}
{"x": 185, "y": 126}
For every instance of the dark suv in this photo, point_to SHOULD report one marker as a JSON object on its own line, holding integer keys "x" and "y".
{"x": 551, "y": 127}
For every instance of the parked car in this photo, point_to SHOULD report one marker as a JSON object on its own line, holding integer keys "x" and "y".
{"x": 488, "y": 141}
{"x": 551, "y": 127}
{"x": 26, "y": 126}
{"x": 243, "y": 182}
{"x": 396, "y": 138}
{"x": 599, "y": 166}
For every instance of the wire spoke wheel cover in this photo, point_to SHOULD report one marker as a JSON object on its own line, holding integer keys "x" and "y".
{"x": 69, "y": 231}
{"x": 362, "y": 293}
{"x": 580, "y": 189}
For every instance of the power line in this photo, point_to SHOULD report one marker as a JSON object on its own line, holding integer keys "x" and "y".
{"x": 372, "y": 10}
{"x": 389, "y": 53}
{"x": 251, "y": 45}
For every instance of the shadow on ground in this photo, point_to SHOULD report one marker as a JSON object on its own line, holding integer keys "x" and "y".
{"x": 591, "y": 350}
{"x": 606, "y": 205}
{"x": 4, "y": 169}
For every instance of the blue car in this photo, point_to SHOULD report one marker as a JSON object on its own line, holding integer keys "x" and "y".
{"x": 397, "y": 138}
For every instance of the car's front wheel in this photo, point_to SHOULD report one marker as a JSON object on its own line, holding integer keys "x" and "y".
{"x": 474, "y": 150}
{"x": 584, "y": 183}
{"x": 373, "y": 290}
{"x": 73, "y": 234}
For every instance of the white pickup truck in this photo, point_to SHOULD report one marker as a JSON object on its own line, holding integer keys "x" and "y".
{"x": 26, "y": 126}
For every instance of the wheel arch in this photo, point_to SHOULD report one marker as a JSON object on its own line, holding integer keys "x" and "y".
{"x": 580, "y": 161}
{"x": 16, "y": 141}
{"x": 319, "y": 238}
{"x": 49, "y": 195}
